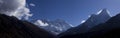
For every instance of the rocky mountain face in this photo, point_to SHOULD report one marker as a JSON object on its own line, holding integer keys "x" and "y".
{"x": 56, "y": 27}
{"x": 11, "y": 27}
{"x": 101, "y": 17}
{"x": 109, "y": 29}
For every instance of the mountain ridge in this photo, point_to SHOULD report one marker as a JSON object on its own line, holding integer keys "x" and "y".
{"x": 109, "y": 29}
{"x": 11, "y": 27}
{"x": 56, "y": 26}
{"x": 92, "y": 21}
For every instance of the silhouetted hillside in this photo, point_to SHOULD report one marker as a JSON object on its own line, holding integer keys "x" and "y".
{"x": 109, "y": 29}
{"x": 11, "y": 27}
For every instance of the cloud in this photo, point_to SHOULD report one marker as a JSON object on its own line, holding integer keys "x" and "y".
{"x": 40, "y": 23}
{"x": 15, "y": 8}
{"x": 31, "y": 4}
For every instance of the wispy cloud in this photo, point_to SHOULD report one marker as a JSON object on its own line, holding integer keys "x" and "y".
{"x": 32, "y": 4}
{"x": 40, "y": 23}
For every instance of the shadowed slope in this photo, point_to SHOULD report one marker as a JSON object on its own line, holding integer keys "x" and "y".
{"x": 11, "y": 27}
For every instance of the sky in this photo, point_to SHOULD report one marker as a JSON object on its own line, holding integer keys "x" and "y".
{"x": 72, "y": 11}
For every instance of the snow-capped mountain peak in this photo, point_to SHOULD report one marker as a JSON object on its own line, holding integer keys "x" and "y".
{"x": 103, "y": 12}
{"x": 92, "y": 21}
{"x": 101, "y": 17}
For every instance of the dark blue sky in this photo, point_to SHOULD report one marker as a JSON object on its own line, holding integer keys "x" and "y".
{"x": 73, "y": 11}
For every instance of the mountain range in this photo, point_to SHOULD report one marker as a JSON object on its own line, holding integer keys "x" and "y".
{"x": 109, "y": 28}
{"x": 101, "y": 17}
{"x": 100, "y": 25}
{"x": 56, "y": 26}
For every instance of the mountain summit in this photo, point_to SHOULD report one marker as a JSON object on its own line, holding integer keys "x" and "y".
{"x": 95, "y": 19}
{"x": 101, "y": 17}
{"x": 103, "y": 12}
{"x": 109, "y": 29}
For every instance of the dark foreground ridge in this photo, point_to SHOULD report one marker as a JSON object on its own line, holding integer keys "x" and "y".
{"x": 109, "y": 29}
{"x": 11, "y": 27}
